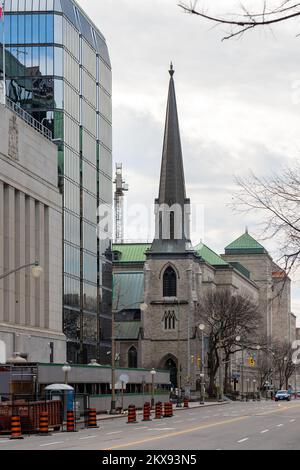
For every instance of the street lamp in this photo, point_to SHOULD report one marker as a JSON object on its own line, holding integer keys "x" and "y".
{"x": 202, "y": 374}
{"x": 36, "y": 270}
{"x": 254, "y": 382}
{"x": 153, "y": 373}
{"x": 247, "y": 380}
{"x": 66, "y": 369}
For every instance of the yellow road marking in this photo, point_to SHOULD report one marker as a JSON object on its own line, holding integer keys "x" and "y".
{"x": 198, "y": 428}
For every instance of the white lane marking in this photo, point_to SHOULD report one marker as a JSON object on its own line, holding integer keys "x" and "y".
{"x": 264, "y": 431}
{"x": 88, "y": 437}
{"x": 191, "y": 419}
{"x": 181, "y": 421}
{"x": 279, "y": 425}
{"x": 161, "y": 429}
{"x": 115, "y": 432}
{"x": 243, "y": 440}
{"x": 292, "y": 420}
{"x": 142, "y": 428}
{"x": 52, "y": 443}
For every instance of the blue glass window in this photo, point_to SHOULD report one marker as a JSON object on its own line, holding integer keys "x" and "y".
{"x": 43, "y": 60}
{"x": 7, "y": 24}
{"x": 28, "y": 35}
{"x": 14, "y": 29}
{"x": 35, "y": 28}
{"x": 58, "y": 61}
{"x": 49, "y": 28}
{"x": 21, "y": 39}
{"x": 35, "y": 57}
{"x": 58, "y": 29}
{"x": 28, "y": 57}
{"x": 50, "y": 61}
{"x": 43, "y": 28}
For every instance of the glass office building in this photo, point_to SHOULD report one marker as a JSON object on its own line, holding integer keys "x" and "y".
{"x": 58, "y": 69}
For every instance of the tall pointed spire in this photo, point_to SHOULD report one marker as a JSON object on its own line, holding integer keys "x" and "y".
{"x": 172, "y": 184}
{"x": 172, "y": 208}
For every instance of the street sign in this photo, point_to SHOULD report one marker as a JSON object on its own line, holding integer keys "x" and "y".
{"x": 251, "y": 362}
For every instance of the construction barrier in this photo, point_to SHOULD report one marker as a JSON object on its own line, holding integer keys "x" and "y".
{"x": 70, "y": 421}
{"x": 29, "y": 413}
{"x": 44, "y": 423}
{"x": 168, "y": 410}
{"x": 158, "y": 410}
{"x": 186, "y": 403}
{"x": 147, "y": 412}
{"x": 92, "y": 418}
{"x": 16, "y": 432}
{"x": 131, "y": 414}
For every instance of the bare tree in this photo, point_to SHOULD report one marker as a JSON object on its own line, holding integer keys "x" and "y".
{"x": 283, "y": 364}
{"x": 278, "y": 200}
{"x": 227, "y": 316}
{"x": 239, "y": 22}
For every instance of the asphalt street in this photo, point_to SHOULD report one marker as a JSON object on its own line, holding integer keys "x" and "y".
{"x": 235, "y": 426}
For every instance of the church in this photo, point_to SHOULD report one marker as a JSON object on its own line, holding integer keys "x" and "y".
{"x": 158, "y": 286}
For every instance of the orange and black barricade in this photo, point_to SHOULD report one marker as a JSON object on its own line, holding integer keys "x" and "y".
{"x": 186, "y": 402}
{"x": 44, "y": 422}
{"x": 92, "y": 418}
{"x": 70, "y": 421}
{"x": 158, "y": 410}
{"x": 147, "y": 412}
{"x": 16, "y": 432}
{"x": 168, "y": 410}
{"x": 131, "y": 414}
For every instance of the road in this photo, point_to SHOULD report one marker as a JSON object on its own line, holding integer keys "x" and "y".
{"x": 235, "y": 426}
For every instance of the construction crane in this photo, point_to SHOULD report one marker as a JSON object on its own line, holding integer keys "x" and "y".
{"x": 121, "y": 187}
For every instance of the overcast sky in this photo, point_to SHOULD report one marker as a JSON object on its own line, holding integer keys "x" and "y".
{"x": 237, "y": 102}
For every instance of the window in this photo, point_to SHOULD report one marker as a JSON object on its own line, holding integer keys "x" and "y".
{"x": 169, "y": 283}
{"x": 132, "y": 358}
{"x": 169, "y": 320}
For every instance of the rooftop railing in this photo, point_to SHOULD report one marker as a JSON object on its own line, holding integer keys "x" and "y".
{"x": 29, "y": 119}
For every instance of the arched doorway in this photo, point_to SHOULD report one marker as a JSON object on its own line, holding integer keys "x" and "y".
{"x": 170, "y": 365}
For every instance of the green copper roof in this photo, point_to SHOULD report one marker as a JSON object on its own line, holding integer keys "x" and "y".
{"x": 244, "y": 244}
{"x": 127, "y": 329}
{"x": 132, "y": 252}
{"x": 209, "y": 255}
{"x": 128, "y": 290}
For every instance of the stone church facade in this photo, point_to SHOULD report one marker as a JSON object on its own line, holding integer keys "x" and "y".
{"x": 159, "y": 285}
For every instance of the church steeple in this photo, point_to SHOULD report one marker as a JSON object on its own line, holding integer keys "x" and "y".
{"x": 172, "y": 184}
{"x": 172, "y": 208}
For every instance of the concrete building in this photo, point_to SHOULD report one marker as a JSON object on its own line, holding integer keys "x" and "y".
{"x": 30, "y": 230}
{"x": 278, "y": 322}
{"x": 58, "y": 69}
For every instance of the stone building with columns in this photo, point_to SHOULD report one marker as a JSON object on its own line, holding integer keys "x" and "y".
{"x": 30, "y": 231}
{"x": 158, "y": 285}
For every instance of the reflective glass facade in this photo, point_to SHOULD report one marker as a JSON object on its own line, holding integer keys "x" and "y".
{"x": 58, "y": 69}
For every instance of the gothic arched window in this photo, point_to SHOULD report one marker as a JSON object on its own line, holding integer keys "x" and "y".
{"x": 169, "y": 320}
{"x": 169, "y": 283}
{"x": 132, "y": 358}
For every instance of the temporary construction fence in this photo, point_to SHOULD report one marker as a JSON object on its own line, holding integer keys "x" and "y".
{"x": 29, "y": 412}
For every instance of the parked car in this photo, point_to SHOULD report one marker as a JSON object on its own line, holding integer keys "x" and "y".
{"x": 282, "y": 395}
